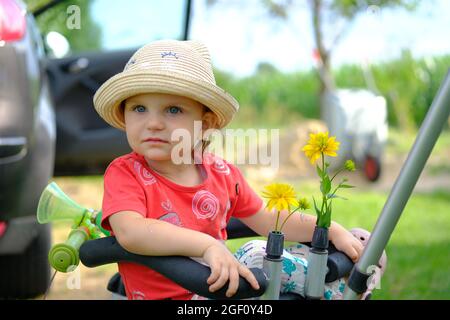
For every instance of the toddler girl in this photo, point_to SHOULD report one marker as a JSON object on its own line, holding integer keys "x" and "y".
{"x": 156, "y": 205}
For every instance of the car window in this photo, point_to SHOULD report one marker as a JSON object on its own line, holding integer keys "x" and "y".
{"x": 94, "y": 25}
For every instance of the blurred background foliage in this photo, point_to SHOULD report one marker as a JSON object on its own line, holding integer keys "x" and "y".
{"x": 273, "y": 98}
{"x": 270, "y": 98}
{"x": 56, "y": 18}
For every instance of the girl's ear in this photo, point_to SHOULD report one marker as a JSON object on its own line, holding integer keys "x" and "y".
{"x": 209, "y": 120}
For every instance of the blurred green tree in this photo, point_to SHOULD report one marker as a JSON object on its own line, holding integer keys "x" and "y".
{"x": 86, "y": 38}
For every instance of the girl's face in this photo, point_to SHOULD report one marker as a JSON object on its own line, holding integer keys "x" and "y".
{"x": 151, "y": 118}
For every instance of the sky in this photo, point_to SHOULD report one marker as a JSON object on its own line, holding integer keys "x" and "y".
{"x": 240, "y": 35}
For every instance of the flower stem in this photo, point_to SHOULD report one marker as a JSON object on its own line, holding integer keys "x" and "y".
{"x": 276, "y": 223}
{"x": 323, "y": 196}
{"x": 324, "y": 204}
{"x": 285, "y": 220}
{"x": 340, "y": 170}
{"x": 335, "y": 190}
{"x": 323, "y": 170}
{"x": 323, "y": 162}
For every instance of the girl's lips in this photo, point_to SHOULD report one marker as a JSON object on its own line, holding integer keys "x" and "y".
{"x": 155, "y": 140}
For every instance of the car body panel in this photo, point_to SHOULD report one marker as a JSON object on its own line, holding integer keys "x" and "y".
{"x": 27, "y": 125}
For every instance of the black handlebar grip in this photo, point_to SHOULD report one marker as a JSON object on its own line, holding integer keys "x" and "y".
{"x": 237, "y": 229}
{"x": 339, "y": 265}
{"x": 186, "y": 272}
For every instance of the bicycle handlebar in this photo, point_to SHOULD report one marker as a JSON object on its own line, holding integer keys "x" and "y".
{"x": 184, "y": 271}
{"x": 191, "y": 274}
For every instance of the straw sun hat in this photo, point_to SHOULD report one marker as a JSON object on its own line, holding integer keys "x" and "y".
{"x": 180, "y": 68}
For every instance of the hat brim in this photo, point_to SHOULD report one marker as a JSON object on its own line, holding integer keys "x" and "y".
{"x": 124, "y": 85}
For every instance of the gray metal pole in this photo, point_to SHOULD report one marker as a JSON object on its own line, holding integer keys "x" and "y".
{"x": 273, "y": 269}
{"x": 406, "y": 181}
{"x": 273, "y": 265}
{"x": 317, "y": 272}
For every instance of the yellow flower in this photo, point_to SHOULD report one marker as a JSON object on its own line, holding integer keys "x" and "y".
{"x": 349, "y": 165}
{"x": 320, "y": 143}
{"x": 304, "y": 204}
{"x": 281, "y": 196}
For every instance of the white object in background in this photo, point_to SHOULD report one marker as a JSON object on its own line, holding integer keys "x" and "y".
{"x": 358, "y": 119}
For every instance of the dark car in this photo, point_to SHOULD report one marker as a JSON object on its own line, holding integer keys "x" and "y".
{"x": 27, "y": 150}
{"x": 48, "y": 125}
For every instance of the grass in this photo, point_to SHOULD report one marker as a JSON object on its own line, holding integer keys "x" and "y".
{"x": 400, "y": 142}
{"x": 418, "y": 259}
{"x": 418, "y": 249}
{"x": 442, "y": 168}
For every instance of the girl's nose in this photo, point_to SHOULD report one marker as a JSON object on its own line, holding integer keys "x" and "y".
{"x": 155, "y": 122}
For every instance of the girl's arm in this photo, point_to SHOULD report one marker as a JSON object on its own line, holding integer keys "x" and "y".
{"x": 300, "y": 228}
{"x": 297, "y": 228}
{"x": 153, "y": 237}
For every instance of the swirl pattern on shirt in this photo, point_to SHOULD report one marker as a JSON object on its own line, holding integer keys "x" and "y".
{"x": 221, "y": 167}
{"x": 146, "y": 177}
{"x": 205, "y": 205}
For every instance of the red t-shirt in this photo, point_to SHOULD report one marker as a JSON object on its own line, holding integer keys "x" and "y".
{"x": 131, "y": 185}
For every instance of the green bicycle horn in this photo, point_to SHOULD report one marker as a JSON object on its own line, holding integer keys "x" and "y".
{"x": 55, "y": 205}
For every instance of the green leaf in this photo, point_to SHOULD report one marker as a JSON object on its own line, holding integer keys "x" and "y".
{"x": 321, "y": 223}
{"x": 327, "y": 218}
{"x": 325, "y": 185}
{"x": 333, "y": 196}
{"x": 317, "y": 209}
{"x": 346, "y": 186}
{"x": 319, "y": 171}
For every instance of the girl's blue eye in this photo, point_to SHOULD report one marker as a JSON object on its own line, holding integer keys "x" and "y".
{"x": 174, "y": 110}
{"x": 139, "y": 108}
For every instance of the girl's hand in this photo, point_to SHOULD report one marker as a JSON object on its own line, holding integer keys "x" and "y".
{"x": 344, "y": 241}
{"x": 224, "y": 266}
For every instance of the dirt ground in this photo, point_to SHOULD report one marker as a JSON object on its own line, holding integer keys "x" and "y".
{"x": 91, "y": 284}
